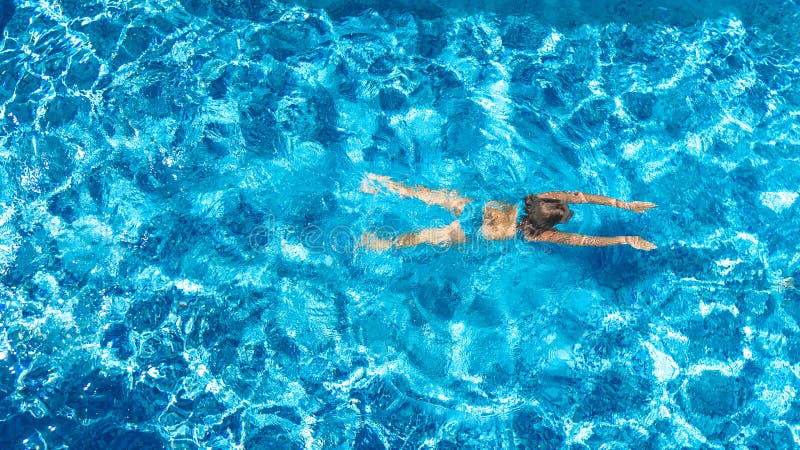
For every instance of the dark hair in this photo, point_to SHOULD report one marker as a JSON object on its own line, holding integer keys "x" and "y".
{"x": 542, "y": 214}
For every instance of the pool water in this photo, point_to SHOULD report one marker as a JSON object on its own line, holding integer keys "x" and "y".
{"x": 180, "y": 208}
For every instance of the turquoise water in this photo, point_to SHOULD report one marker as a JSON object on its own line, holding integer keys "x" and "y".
{"x": 179, "y": 207}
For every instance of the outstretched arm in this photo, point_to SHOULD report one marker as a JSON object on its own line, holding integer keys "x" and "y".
{"x": 559, "y": 237}
{"x": 580, "y": 197}
{"x": 446, "y": 198}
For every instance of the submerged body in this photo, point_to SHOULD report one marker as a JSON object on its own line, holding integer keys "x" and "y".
{"x": 500, "y": 220}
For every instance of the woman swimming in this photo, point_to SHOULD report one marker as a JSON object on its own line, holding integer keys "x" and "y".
{"x": 500, "y": 219}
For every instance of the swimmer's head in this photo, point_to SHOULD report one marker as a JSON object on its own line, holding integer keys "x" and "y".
{"x": 542, "y": 214}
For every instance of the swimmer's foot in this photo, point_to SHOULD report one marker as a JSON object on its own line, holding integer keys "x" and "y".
{"x": 373, "y": 242}
{"x": 369, "y": 185}
{"x": 787, "y": 284}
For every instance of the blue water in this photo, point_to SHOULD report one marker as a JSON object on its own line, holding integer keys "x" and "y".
{"x": 179, "y": 207}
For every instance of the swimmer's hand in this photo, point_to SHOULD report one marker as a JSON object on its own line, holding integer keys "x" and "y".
{"x": 639, "y": 243}
{"x": 638, "y": 207}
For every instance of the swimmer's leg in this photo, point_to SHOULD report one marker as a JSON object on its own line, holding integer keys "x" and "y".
{"x": 451, "y": 234}
{"x": 442, "y": 236}
{"x": 446, "y": 198}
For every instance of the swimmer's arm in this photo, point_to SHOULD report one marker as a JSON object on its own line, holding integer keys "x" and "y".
{"x": 580, "y": 197}
{"x": 446, "y": 198}
{"x": 559, "y": 237}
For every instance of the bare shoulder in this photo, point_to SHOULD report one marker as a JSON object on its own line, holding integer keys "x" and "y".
{"x": 560, "y": 237}
{"x": 555, "y": 195}
{"x": 544, "y": 236}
